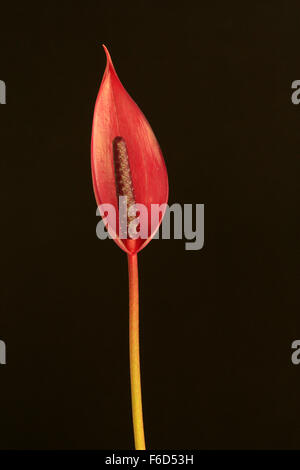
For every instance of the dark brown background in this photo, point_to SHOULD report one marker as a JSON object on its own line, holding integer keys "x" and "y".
{"x": 214, "y": 80}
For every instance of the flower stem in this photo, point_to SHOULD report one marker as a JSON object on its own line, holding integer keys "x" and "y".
{"x": 134, "y": 349}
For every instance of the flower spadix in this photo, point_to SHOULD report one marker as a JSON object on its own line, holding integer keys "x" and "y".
{"x": 127, "y": 163}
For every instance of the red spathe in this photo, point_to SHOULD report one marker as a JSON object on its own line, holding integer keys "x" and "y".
{"x": 116, "y": 114}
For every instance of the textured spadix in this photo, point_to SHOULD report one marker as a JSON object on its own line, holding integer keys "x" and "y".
{"x": 119, "y": 121}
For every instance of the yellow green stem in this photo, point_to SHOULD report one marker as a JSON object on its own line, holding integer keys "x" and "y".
{"x": 134, "y": 349}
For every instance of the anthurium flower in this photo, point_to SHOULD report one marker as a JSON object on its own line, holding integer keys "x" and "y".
{"x": 128, "y": 173}
{"x": 126, "y": 159}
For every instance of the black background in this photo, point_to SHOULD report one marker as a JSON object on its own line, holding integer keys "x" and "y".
{"x": 214, "y": 80}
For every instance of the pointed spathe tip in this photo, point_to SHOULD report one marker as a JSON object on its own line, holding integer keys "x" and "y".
{"x": 108, "y": 58}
